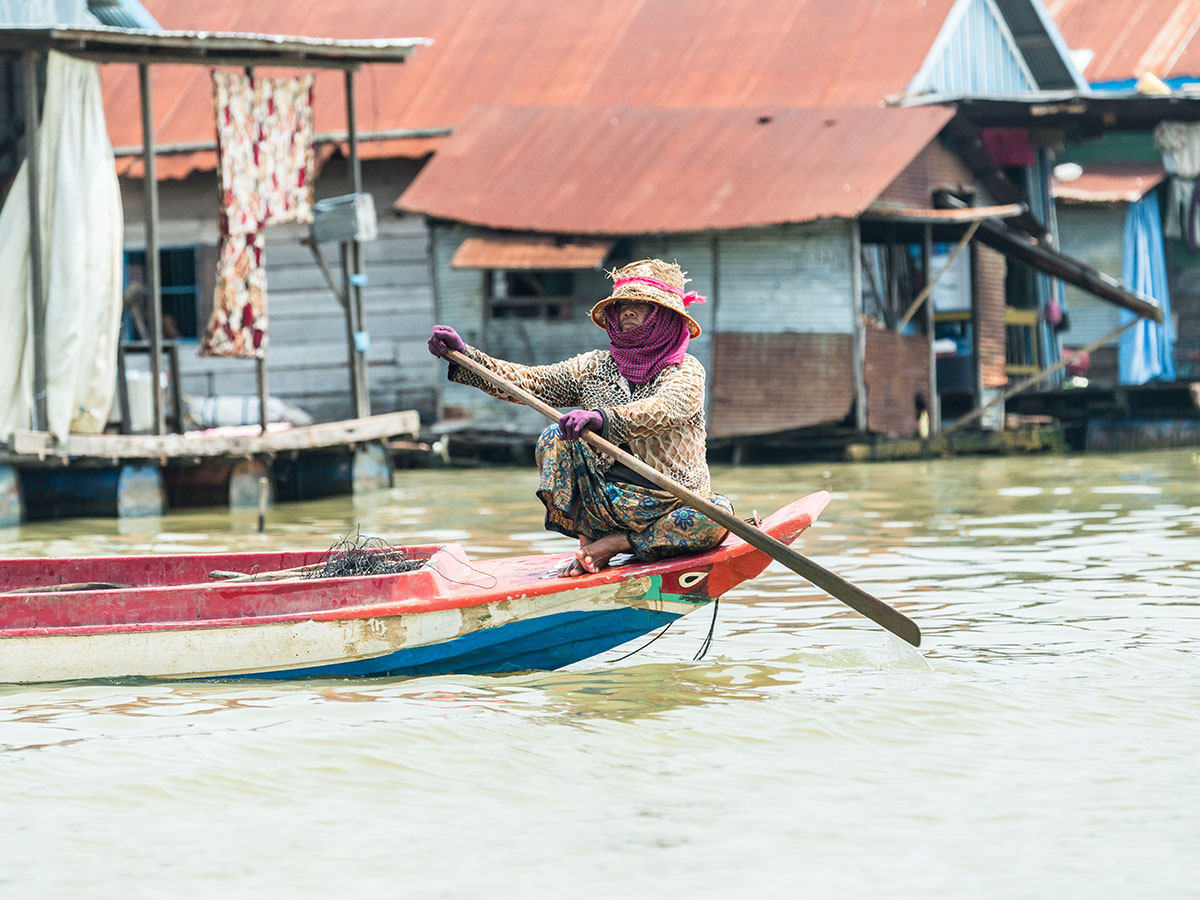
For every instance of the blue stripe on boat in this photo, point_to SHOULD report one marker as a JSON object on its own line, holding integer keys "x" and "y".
{"x": 512, "y": 647}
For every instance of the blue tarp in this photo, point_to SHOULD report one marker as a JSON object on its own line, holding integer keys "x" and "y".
{"x": 1146, "y": 349}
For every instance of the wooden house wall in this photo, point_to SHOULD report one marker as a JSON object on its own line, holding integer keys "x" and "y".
{"x": 307, "y": 361}
{"x": 896, "y": 371}
{"x": 990, "y": 269}
{"x": 935, "y": 168}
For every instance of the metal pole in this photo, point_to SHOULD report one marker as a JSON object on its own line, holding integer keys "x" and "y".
{"x": 153, "y": 276}
{"x": 362, "y": 404}
{"x": 37, "y": 318}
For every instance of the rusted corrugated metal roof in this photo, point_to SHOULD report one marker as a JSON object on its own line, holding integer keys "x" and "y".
{"x": 1110, "y": 183}
{"x": 1130, "y": 37}
{"x": 614, "y": 170}
{"x": 661, "y": 53}
{"x": 529, "y": 251}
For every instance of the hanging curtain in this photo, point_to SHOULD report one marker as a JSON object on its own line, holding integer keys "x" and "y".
{"x": 265, "y": 174}
{"x": 1146, "y": 350}
{"x": 82, "y": 229}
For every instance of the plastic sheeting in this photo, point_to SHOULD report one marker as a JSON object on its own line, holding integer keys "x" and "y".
{"x": 82, "y": 232}
{"x": 1145, "y": 351}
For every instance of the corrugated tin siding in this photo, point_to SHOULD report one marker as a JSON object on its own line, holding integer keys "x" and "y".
{"x": 767, "y": 383}
{"x": 778, "y": 327}
{"x": 793, "y": 278}
{"x": 978, "y": 56}
{"x": 896, "y": 369}
{"x": 462, "y": 297}
{"x": 1091, "y": 233}
{"x": 990, "y": 269}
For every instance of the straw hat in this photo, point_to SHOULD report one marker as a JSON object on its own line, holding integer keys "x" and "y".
{"x": 651, "y": 281}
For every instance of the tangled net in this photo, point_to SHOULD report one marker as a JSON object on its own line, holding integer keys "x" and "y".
{"x": 358, "y": 555}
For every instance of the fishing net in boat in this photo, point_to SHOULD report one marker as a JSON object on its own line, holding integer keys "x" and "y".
{"x": 357, "y": 554}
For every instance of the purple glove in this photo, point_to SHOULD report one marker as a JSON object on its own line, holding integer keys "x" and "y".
{"x": 445, "y": 338}
{"x": 574, "y": 423}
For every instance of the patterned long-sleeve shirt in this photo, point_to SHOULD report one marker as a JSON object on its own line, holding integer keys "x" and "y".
{"x": 661, "y": 421}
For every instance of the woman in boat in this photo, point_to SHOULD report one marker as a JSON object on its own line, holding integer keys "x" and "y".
{"x": 645, "y": 393}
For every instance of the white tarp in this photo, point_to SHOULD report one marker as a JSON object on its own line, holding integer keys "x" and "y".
{"x": 82, "y": 231}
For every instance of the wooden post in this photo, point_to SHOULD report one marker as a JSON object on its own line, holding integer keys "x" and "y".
{"x": 153, "y": 276}
{"x": 37, "y": 285}
{"x": 935, "y": 403}
{"x": 351, "y": 327}
{"x": 354, "y": 294}
{"x": 860, "y": 333}
{"x": 260, "y": 362}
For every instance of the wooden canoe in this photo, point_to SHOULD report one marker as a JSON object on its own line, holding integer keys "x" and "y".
{"x": 451, "y": 615}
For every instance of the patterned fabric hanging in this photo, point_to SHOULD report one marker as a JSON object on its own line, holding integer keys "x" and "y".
{"x": 265, "y": 176}
{"x": 238, "y": 325}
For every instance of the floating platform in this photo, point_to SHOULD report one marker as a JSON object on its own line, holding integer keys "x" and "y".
{"x": 1023, "y": 439}
{"x": 1153, "y": 416}
{"x": 135, "y": 475}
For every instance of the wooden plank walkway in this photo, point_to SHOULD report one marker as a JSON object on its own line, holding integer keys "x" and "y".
{"x": 28, "y": 446}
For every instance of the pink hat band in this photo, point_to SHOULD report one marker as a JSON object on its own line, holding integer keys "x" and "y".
{"x": 688, "y": 298}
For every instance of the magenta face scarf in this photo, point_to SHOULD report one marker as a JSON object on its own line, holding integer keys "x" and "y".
{"x": 660, "y": 341}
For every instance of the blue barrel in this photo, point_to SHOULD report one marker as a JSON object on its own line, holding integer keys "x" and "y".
{"x": 332, "y": 472}
{"x": 10, "y": 497}
{"x": 125, "y": 492}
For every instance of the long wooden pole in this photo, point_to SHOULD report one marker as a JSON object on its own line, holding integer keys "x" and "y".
{"x": 854, "y": 597}
{"x": 261, "y": 376}
{"x": 354, "y": 294}
{"x": 37, "y": 281}
{"x": 153, "y": 277}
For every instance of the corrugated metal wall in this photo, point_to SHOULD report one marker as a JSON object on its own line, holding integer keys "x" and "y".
{"x": 767, "y": 383}
{"x": 778, "y": 325}
{"x": 461, "y": 303}
{"x": 990, "y": 269}
{"x": 793, "y": 278}
{"x": 976, "y": 55}
{"x": 1091, "y": 233}
{"x": 307, "y": 360}
{"x": 896, "y": 370}
{"x": 784, "y": 352}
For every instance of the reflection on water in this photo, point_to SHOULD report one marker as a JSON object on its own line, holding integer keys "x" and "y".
{"x": 1042, "y": 743}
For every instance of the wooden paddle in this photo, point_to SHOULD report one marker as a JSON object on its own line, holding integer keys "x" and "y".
{"x": 834, "y": 585}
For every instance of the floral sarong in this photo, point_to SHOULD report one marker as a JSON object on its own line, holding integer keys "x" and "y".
{"x": 581, "y": 503}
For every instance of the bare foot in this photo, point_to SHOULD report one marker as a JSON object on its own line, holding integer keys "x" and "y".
{"x": 576, "y": 567}
{"x": 595, "y": 556}
{"x": 570, "y": 571}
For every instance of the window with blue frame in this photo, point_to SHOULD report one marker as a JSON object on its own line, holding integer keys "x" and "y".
{"x": 180, "y": 294}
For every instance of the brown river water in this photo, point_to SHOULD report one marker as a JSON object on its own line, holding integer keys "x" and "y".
{"x": 1045, "y": 742}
